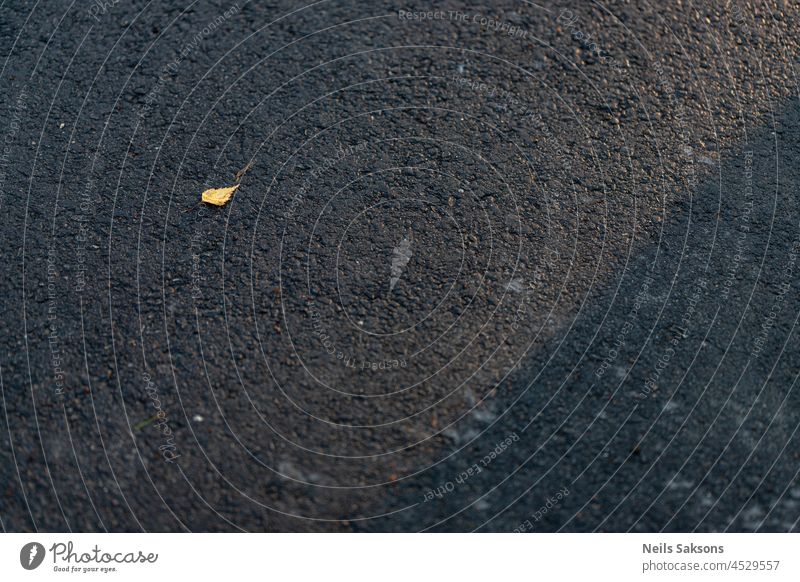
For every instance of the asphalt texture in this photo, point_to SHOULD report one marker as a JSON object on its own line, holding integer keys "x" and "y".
{"x": 491, "y": 266}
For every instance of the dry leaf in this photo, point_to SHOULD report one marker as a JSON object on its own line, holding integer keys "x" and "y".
{"x": 240, "y": 174}
{"x": 219, "y": 196}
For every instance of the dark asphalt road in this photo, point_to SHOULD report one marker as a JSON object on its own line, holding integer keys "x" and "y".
{"x": 498, "y": 266}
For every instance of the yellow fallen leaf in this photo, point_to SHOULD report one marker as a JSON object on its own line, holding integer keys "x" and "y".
{"x": 219, "y": 196}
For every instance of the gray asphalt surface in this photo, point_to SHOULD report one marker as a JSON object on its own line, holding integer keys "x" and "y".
{"x": 498, "y": 266}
